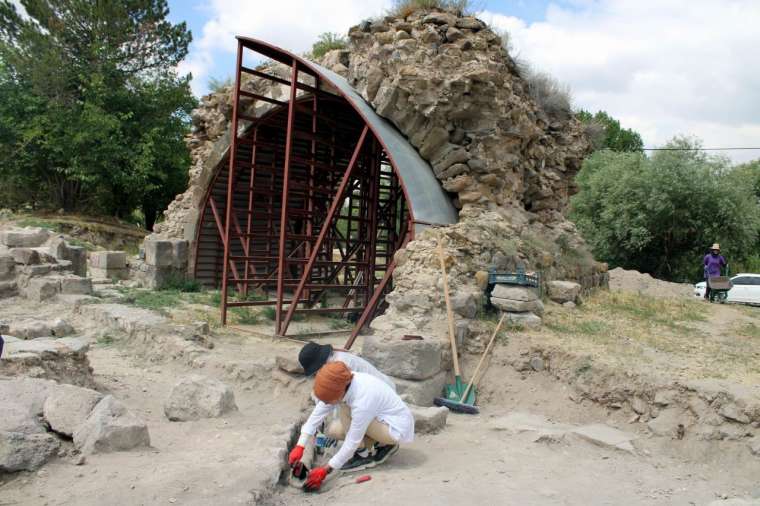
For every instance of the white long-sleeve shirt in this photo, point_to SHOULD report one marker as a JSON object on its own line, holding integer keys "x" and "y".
{"x": 368, "y": 398}
{"x": 321, "y": 410}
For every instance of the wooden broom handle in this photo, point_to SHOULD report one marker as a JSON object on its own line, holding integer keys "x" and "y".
{"x": 483, "y": 358}
{"x": 449, "y": 314}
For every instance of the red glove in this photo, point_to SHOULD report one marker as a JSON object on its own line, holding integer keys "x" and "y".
{"x": 315, "y": 478}
{"x": 296, "y": 454}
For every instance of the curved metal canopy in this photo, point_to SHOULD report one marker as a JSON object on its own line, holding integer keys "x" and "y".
{"x": 428, "y": 202}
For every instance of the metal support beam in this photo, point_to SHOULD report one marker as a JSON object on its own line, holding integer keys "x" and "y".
{"x": 285, "y": 196}
{"x": 325, "y": 228}
{"x": 230, "y": 181}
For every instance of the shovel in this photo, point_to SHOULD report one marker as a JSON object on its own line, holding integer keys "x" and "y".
{"x": 455, "y": 392}
{"x": 463, "y": 405}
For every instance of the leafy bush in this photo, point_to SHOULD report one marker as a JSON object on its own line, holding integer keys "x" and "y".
{"x": 660, "y": 214}
{"x": 327, "y": 42}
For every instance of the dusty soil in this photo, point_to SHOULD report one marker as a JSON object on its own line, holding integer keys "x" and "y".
{"x": 470, "y": 463}
{"x": 221, "y": 461}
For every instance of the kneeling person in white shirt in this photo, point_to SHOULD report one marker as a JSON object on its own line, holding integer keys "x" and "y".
{"x": 372, "y": 417}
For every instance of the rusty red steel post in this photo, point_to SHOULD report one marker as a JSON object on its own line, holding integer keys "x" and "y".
{"x": 284, "y": 205}
{"x": 230, "y": 183}
{"x": 249, "y": 222}
{"x": 325, "y": 228}
{"x": 370, "y": 307}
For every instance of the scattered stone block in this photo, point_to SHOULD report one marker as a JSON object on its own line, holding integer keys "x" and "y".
{"x": 67, "y": 407}
{"x": 108, "y": 264}
{"x": 7, "y": 267}
{"x": 25, "y": 256}
{"x": 24, "y": 237}
{"x": 8, "y": 289}
{"x": 19, "y": 418}
{"x": 26, "y": 452}
{"x": 464, "y": 304}
{"x": 76, "y": 285}
{"x": 563, "y": 291}
{"x": 289, "y": 365}
{"x": 429, "y": 420}
{"x": 31, "y": 329}
{"x": 30, "y": 393}
{"x": 166, "y": 253}
{"x": 110, "y": 427}
{"x": 197, "y": 397}
{"x": 514, "y": 293}
{"x": 537, "y": 363}
{"x": 412, "y": 360}
{"x": 606, "y": 436}
{"x": 525, "y": 320}
{"x": 518, "y": 306}
{"x": 42, "y": 289}
{"x": 62, "y": 359}
{"x": 77, "y": 255}
{"x": 421, "y": 393}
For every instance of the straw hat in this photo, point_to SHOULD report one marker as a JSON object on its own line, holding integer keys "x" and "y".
{"x": 715, "y": 246}
{"x": 331, "y": 381}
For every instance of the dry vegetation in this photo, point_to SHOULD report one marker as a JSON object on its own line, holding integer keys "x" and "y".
{"x": 404, "y": 8}
{"x": 679, "y": 337}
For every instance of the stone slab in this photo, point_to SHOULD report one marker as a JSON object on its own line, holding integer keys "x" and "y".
{"x": 421, "y": 393}
{"x": 30, "y": 237}
{"x": 514, "y": 293}
{"x": 412, "y": 360}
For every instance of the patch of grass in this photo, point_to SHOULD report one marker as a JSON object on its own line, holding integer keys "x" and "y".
{"x": 245, "y": 316}
{"x": 270, "y": 313}
{"x": 105, "y": 340}
{"x": 327, "y": 42}
{"x": 340, "y": 323}
{"x": 182, "y": 284}
{"x": 404, "y": 8}
{"x": 749, "y": 330}
{"x": 83, "y": 244}
{"x": 37, "y": 222}
{"x": 156, "y": 300}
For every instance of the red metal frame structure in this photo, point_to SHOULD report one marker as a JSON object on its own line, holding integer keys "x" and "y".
{"x": 313, "y": 206}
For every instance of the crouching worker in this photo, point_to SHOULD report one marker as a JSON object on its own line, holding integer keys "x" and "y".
{"x": 373, "y": 421}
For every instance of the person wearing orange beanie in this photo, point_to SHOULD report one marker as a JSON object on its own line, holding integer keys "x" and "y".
{"x": 372, "y": 417}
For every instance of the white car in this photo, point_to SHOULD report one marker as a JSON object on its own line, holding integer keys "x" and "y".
{"x": 746, "y": 289}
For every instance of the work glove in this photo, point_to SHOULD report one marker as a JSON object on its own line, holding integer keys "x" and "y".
{"x": 296, "y": 454}
{"x": 315, "y": 478}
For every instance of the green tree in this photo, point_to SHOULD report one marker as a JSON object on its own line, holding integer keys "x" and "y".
{"x": 659, "y": 214}
{"x": 605, "y": 132}
{"x": 98, "y": 111}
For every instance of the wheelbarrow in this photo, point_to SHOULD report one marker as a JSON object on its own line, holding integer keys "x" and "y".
{"x": 719, "y": 287}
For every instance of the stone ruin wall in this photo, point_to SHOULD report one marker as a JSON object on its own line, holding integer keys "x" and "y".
{"x": 450, "y": 87}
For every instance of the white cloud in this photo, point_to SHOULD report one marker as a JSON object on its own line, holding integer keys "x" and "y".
{"x": 662, "y": 67}
{"x": 290, "y": 24}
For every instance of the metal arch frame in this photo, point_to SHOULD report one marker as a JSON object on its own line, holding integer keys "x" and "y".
{"x": 368, "y": 157}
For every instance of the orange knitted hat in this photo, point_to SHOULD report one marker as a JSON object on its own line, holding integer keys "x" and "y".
{"x": 331, "y": 381}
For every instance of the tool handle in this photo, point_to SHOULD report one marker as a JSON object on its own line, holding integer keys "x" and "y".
{"x": 483, "y": 358}
{"x": 449, "y": 313}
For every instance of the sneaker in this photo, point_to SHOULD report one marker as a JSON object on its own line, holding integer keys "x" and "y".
{"x": 359, "y": 462}
{"x": 383, "y": 452}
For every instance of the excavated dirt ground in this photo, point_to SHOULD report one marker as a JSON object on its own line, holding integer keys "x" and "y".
{"x": 221, "y": 461}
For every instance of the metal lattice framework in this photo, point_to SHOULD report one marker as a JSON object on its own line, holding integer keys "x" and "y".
{"x": 308, "y": 202}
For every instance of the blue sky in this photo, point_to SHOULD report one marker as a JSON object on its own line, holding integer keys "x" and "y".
{"x": 662, "y": 67}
